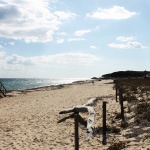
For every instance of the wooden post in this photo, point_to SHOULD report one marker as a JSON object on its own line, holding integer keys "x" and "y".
{"x": 76, "y": 131}
{"x": 121, "y": 104}
{"x": 3, "y": 89}
{"x": 104, "y": 123}
{"x": 116, "y": 91}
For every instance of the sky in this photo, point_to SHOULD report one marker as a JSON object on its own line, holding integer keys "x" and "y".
{"x": 73, "y": 38}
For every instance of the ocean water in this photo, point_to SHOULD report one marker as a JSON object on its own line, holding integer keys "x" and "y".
{"x": 29, "y": 83}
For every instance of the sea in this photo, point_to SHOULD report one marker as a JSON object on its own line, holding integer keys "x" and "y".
{"x": 29, "y": 83}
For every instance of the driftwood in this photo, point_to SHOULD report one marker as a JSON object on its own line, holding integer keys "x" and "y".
{"x": 85, "y": 108}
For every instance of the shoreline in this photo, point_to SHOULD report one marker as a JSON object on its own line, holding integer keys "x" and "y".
{"x": 50, "y": 85}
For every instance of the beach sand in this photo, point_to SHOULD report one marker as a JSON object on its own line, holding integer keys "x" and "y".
{"x": 30, "y": 120}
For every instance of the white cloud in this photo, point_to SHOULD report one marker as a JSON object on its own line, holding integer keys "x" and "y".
{"x": 11, "y": 43}
{"x": 59, "y": 41}
{"x": 1, "y": 46}
{"x": 114, "y": 45}
{"x": 116, "y": 12}
{"x": 15, "y": 59}
{"x": 30, "y": 20}
{"x": 127, "y": 45}
{"x": 81, "y": 32}
{"x": 62, "y": 33}
{"x": 93, "y": 47}
{"x": 66, "y": 58}
{"x": 128, "y": 42}
{"x": 135, "y": 45}
{"x": 75, "y": 39}
{"x": 2, "y": 53}
{"x": 54, "y": 0}
{"x": 97, "y": 27}
{"x": 64, "y": 15}
{"x": 125, "y": 39}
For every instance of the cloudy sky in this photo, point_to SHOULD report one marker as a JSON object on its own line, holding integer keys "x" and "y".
{"x": 73, "y": 38}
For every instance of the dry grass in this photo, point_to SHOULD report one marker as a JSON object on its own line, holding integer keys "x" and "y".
{"x": 136, "y": 97}
{"x": 117, "y": 146}
{"x": 137, "y": 90}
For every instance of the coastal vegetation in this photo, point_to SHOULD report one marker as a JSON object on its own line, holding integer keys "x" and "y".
{"x": 136, "y": 97}
{"x": 127, "y": 74}
{"x": 137, "y": 93}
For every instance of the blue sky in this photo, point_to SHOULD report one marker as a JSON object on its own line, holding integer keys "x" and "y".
{"x": 73, "y": 38}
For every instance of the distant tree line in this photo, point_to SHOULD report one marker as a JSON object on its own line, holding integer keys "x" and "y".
{"x": 126, "y": 74}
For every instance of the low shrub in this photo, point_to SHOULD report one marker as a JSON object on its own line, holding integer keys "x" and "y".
{"x": 117, "y": 146}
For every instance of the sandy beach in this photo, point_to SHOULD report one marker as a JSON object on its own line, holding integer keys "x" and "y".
{"x": 30, "y": 120}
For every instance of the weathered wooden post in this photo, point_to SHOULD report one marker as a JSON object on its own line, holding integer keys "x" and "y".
{"x": 3, "y": 89}
{"x": 121, "y": 103}
{"x": 104, "y": 123}
{"x": 116, "y": 91}
{"x": 76, "y": 131}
